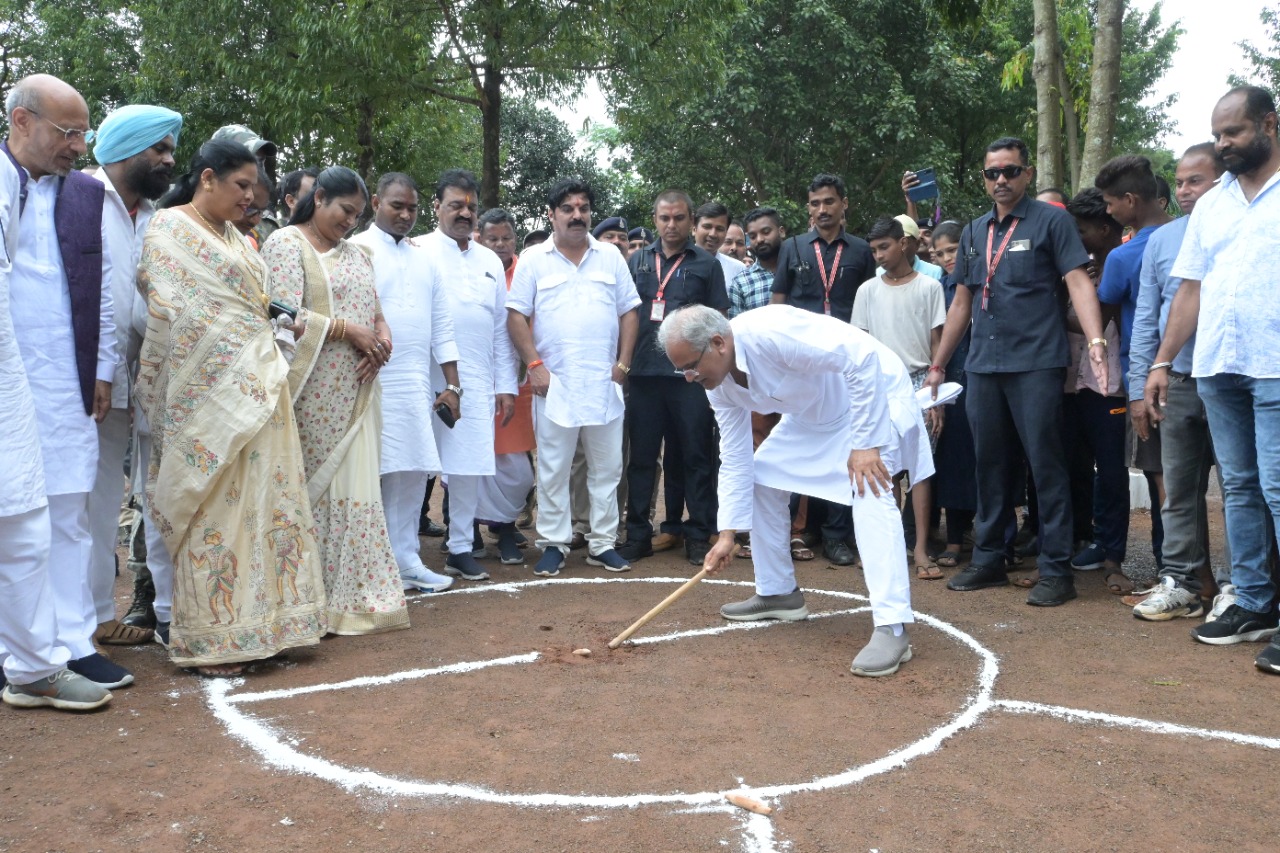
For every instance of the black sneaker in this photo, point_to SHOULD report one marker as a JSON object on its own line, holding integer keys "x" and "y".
{"x": 1051, "y": 592}
{"x": 1236, "y": 625}
{"x": 837, "y": 552}
{"x": 696, "y": 550}
{"x": 101, "y": 671}
{"x": 1268, "y": 660}
{"x": 509, "y": 545}
{"x": 978, "y": 577}
{"x": 636, "y": 549}
{"x": 464, "y": 566}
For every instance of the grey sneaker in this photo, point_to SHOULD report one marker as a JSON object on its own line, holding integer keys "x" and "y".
{"x": 1225, "y": 598}
{"x": 63, "y": 690}
{"x": 883, "y": 654}
{"x": 788, "y": 608}
{"x": 1169, "y": 601}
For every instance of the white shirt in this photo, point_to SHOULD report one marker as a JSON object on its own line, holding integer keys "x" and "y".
{"x": 22, "y": 481}
{"x": 575, "y": 311}
{"x": 838, "y": 390}
{"x": 730, "y": 265}
{"x": 902, "y": 316}
{"x": 421, "y": 326}
{"x": 122, "y": 241}
{"x": 475, "y": 285}
{"x": 1232, "y": 247}
{"x": 40, "y": 303}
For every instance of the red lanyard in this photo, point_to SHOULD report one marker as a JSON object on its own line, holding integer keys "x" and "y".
{"x": 827, "y": 282}
{"x": 993, "y": 265}
{"x": 662, "y": 286}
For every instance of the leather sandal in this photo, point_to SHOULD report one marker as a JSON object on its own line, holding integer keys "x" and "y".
{"x": 800, "y": 551}
{"x": 116, "y": 633}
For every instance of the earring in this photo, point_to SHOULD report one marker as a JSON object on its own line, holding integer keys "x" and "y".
{"x": 208, "y": 186}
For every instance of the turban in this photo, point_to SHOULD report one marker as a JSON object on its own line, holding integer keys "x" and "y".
{"x": 132, "y": 129}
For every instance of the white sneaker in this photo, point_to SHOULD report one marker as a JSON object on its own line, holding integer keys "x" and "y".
{"x": 425, "y": 580}
{"x": 1225, "y": 598}
{"x": 1169, "y": 601}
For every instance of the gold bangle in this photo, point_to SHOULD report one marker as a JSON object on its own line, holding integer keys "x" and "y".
{"x": 625, "y": 370}
{"x": 1095, "y": 341}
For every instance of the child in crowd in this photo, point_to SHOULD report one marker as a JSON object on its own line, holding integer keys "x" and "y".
{"x": 905, "y": 310}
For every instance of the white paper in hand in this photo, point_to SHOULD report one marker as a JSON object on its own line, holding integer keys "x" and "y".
{"x": 947, "y": 393}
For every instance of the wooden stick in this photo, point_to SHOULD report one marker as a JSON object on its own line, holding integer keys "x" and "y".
{"x": 663, "y": 605}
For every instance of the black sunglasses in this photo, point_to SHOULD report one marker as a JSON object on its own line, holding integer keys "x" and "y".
{"x": 1009, "y": 172}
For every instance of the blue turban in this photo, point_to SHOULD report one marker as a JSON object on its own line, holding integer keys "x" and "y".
{"x": 129, "y": 130}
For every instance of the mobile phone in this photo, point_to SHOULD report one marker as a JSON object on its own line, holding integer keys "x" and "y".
{"x": 445, "y": 414}
{"x": 276, "y": 309}
{"x": 927, "y": 188}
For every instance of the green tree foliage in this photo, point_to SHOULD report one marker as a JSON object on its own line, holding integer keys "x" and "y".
{"x": 1265, "y": 59}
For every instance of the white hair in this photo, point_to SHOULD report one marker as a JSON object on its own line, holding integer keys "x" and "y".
{"x": 696, "y": 325}
{"x": 24, "y": 94}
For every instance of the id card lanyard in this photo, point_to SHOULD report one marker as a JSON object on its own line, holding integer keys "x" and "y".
{"x": 659, "y": 307}
{"x": 827, "y": 281}
{"x": 993, "y": 264}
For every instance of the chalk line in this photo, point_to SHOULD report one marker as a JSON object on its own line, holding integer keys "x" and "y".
{"x": 1076, "y": 715}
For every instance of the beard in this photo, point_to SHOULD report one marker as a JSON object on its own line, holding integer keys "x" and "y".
{"x": 765, "y": 251}
{"x": 1241, "y": 161}
{"x": 150, "y": 183}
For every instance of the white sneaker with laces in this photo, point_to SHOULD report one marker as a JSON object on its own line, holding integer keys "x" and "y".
{"x": 1168, "y": 601}
{"x": 1225, "y": 598}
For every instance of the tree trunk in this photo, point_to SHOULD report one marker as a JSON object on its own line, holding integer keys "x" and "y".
{"x": 1071, "y": 126}
{"x": 1104, "y": 95}
{"x": 364, "y": 140}
{"x": 1047, "y": 48}
{"x": 491, "y": 112}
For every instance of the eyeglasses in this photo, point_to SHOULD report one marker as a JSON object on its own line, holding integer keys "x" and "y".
{"x": 1009, "y": 172}
{"x": 68, "y": 135}
{"x": 691, "y": 372}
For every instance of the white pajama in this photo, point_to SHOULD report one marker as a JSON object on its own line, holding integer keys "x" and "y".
{"x": 402, "y": 495}
{"x": 28, "y": 624}
{"x": 502, "y": 496}
{"x": 69, "y": 547}
{"x": 464, "y": 495}
{"x": 602, "y": 445}
{"x": 104, "y": 510}
{"x": 159, "y": 562}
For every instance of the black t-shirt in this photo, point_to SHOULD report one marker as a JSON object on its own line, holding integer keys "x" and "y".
{"x": 799, "y": 274}
{"x": 698, "y": 280}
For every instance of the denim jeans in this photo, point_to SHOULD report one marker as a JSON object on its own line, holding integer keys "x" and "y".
{"x": 1244, "y": 417}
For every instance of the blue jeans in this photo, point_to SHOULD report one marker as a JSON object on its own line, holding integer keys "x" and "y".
{"x": 1244, "y": 418}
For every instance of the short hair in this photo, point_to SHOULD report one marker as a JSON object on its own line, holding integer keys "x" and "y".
{"x": 495, "y": 216}
{"x": 823, "y": 179}
{"x": 535, "y": 237}
{"x": 1128, "y": 173}
{"x": 671, "y": 196}
{"x": 1090, "y": 206}
{"x": 24, "y": 94}
{"x": 696, "y": 325}
{"x": 761, "y": 213}
{"x": 1258, "y": 103}
{"x": 566, "y": 187}
{"x": 459, "y": 179}
{"x": 292, "y": 182}
{"x": 711, "y": 210}
{"x": 336, "y": 181}
{"x": 1163, "y": 191}
{"x": 391, "y": 179}
{"x": 1202, "y": 149}
{"x": 1006, "y": 143}
{"x": 949, "y": 230}
{"x": 886, "y": 227}
{"x": 1058, "y": 191}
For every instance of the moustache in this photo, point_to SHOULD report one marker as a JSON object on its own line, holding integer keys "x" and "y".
{"x": 577, "y": 223}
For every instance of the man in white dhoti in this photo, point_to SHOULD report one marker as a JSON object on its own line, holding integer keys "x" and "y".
{"x": 475, "y": 287}
{"x": 573, "y": 321}
{"x": 135, "y": 146}
{"x": 60, "y": 302}
{"x": 416, "y": 310}
{"x": 850, "y": 422}
{"x": 35, "y": 667}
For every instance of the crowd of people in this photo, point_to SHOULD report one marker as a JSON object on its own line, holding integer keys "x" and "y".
{"x": 280, "y": 396}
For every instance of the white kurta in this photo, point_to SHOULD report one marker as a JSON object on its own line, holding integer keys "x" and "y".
{"x": 22, "y": 483}
{"x": 837, "y": 388}
{"x": 40, "y": 303}
{"x": 476, "y": 288}
{"x": 417, "y": 313}
{"x": 122, "y": 241}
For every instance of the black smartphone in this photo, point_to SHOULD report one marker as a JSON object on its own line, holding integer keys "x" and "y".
{"x": 444, "y": 413}
{"x": 276, "y": 309}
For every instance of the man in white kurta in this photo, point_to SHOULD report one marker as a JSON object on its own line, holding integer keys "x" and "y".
{"x": 35, "y": 665}
{"x": 572, "y": 319}
{"x": 135, "y": 147}
{"x": 44, "y": 110}
{"x": 409, "y": 291}
{"x": 850, "y": 422}
{"x": 475, "y": 286}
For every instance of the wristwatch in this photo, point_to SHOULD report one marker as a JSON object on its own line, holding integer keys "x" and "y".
{"x": 455, "y": 389}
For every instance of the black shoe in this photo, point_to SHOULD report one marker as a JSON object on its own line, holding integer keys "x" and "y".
{"x": 1030, "y": 548}
{"x": 162, "y": 634}
{"x": 101, "y": 671}
{"x": 1050, "y": 592}
{"x": 636, "y": 549}
{"x": 1268, "y": 660}
{"x": 509, "y": 546}
{"x": 464, "y": 566}
{"x": 696, "y": 550}
{"x": 142, "y": 613}
{"x": 837, "y": 552}
{"x": 427, "y": 527}
{"x": 978, "y": 577}
{"x": 1236, "y": 625}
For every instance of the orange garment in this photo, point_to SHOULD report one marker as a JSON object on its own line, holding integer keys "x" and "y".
{"x": 516, "y": 436}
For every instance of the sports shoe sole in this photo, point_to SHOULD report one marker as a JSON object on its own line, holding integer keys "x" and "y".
{"x": 27, "y": 700}
{"x": 877, "y": 673}
{"x": 421, "y": 586}
{"x": 1247, "y": 637}
{"x": 458, "y": 573}
{"x": 798, "y": 614}
{"x": 1262, "y": 663}
{"x": 1188, "y": 612}
{"x": 592, "y": 561}
{"x": 542, "y": 572}
{"x": 513, "y": 561}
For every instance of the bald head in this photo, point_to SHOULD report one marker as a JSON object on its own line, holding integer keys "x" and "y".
{"x": 48, "y": 122}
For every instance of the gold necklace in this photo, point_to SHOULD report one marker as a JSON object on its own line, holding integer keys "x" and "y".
{"x": 320, "y": 241}
{"x": 221, "y": 236}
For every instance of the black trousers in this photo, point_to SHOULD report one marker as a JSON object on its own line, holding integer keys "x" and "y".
{"x": 1006, "y": 409}
{"x": 659, "y": 407}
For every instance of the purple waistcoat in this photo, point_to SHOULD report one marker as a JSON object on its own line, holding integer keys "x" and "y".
{"x": 77, "y": 219}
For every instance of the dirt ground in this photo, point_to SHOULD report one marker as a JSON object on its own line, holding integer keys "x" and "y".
{"x": 632, "y": 750}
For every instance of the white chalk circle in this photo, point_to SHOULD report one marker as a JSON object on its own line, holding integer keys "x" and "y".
{"x": 279, "y": 750}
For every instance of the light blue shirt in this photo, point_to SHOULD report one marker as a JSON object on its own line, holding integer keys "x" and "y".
{"x": 1232, "y": 248}
{"x": 1156, "y": 289}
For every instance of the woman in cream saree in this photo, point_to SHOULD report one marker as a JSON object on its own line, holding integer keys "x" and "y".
{"x": 336, "y": 399}
{"x": 225, "y": 481}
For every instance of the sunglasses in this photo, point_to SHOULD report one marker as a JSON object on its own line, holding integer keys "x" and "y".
{"x": 1009, "y": 172}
